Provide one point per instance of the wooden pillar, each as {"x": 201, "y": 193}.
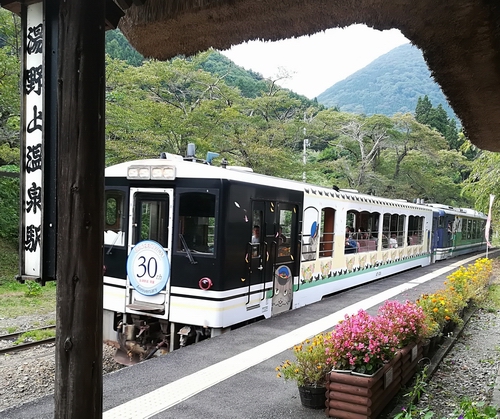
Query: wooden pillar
{"x": 80, "y": 192}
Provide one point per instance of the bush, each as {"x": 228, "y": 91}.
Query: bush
{"x": 9, "y": 206}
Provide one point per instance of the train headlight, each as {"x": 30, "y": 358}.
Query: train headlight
{"x": 139, "y": 172}
{"x": 205, "y": 283}
{"x": 163, "y": 172}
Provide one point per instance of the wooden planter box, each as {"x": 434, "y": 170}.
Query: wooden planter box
{"x": 410, "y": 356}
{"x": 354, "y": 397}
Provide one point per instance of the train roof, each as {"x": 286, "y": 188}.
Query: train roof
{"x": 446, "y": 209}
{"x": 192, "y": 168}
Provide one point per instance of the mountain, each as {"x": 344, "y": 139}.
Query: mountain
{"x": 390, "y": 84}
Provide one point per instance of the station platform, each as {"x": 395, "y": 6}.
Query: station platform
{"x": 233, "y": 375}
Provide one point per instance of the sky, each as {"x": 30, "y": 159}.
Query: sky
{"x": 314, "y": 63}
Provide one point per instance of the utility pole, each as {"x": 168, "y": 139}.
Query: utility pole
{"x": 304, "y": 154}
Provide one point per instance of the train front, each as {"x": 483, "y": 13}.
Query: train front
{"x": 156, "y": 223}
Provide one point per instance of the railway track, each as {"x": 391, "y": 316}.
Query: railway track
{"x": 12, "y": 337}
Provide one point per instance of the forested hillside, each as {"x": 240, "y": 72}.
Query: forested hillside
{"x": 206, "y": 99}
{"x": 390, "y": 84}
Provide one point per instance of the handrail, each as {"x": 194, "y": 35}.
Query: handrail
{"x": 275, "y": 254}
{"x": 263, "y": 264}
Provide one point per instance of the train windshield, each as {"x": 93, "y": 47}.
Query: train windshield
{"x": 197, "y": 222}
{"x": 114, "y": 218}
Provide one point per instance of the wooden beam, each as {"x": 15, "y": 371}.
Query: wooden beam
{"x": 113, "y": 14}
{"x": 13, "y": 5}
{"x": 124, "y": 4}
{"x": 80, "y": 214}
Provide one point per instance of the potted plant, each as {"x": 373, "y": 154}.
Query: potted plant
{"x": 308, "y": 370}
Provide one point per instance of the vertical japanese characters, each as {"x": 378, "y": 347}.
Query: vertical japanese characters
{"x": 32, "y": 135}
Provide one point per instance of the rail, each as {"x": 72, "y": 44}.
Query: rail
{"x": 27, "y": 345}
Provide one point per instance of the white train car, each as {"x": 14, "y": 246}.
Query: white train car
{"x": 181, "y": 262}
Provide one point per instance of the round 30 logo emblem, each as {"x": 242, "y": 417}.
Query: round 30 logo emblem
{"x": 148, "y": 267}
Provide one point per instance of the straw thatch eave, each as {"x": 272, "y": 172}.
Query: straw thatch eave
{"x": 460, "y": 40}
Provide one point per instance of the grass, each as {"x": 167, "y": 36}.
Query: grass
{"x": 494, "y": 297}
{"x": 18, "y": 299}
{"x": 35, "y": 335}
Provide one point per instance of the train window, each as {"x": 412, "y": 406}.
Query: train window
{"x": 364, "y": 226}
{"x": 257, "y": 231}
{"x": 400, "y": 234}
{"x": 326, "y": 231}
{"x": 114, "y": 234}
{"x": 310, "y": 233}
{"x": 469, "y": 229}
{"x": 351, "y": 220}
{"x": 284, "y": 233}
{"x": 393, "y": 230}
{"x": 153, "y": 220}
{"x": 415, "y": 229}
{"x": 197, "y": 222}
{"x": 386, "y": 231}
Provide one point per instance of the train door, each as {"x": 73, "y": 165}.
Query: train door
{"x": 259, "y": 251}
{"x": 284, "y": 256}
{"x": 274, "y": 252}
{"x": 150, "y": 219}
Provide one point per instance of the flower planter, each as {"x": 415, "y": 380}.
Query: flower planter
{"x": 449, "y": 327}
{"x": 313, "y": 397}
{"x": 354, "y": 397}
{"x": 410, "y": 356}
{"x": 426, "y": 345}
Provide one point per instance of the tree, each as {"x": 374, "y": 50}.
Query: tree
{"x": 9, "y": 205}
{"x": 483, "y": 181}
{"x": 118, "y": 47}
{"x": 423, "y": 110}
{"x": 9, "y": 87}
{"x": 437, "y": 118}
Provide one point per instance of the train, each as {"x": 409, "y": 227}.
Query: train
{"x": 192, "y": 250}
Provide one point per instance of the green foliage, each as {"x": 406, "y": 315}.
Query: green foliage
{"x": 249, "y": 83}
{"x": 13, "y": 299}
{"x": 437, "y": 118}
{"x": 475, "y": 410}
{"x": 9, "y": 87}
{"x": 8, "y": 261}
{"x": 35, "y": 336}
{"x": 117, "y": 47}
{"x": 14, "y": 303}
{"x": 33, "y": 289}
{"x": 413, "y": 396}
{"x": 9, "y": 205}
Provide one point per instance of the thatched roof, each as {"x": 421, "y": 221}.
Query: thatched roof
{"x": 460, "y": 39}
